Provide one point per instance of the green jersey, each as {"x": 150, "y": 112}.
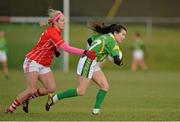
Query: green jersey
{"x": 138, "y": 45}
{"x": 95, "y": 36}
{"x": 3, "y": 44}
{"x": 105, "y": 45}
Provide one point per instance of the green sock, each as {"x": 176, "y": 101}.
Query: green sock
{"x": 66, "y": 94}
{"x": 99, "y": 98}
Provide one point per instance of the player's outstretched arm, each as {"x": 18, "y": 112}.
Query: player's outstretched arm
{"x": 89, "y": 53}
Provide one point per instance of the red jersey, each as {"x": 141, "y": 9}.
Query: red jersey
{"x": 49, "y": 41}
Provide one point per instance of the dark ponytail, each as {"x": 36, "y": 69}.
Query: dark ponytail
{"x": 101, "y": 28}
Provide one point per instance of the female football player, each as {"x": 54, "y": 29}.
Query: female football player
{"x": 3, "y": 54}
{"x": 37, "y": 62}
{"x": 138, "y": 49}
{"x": 105, "y": 44}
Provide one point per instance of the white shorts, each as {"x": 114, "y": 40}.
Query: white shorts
{"x": 33, "y": 66}
{"x": 86, "y": 67}
{"x": 138, "y": 54}
{"x": 3, "y": 56}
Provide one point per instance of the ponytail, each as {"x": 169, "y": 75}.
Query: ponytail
{"x": 102, "y": 29}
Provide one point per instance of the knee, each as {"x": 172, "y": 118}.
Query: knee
{"x": 32, "y": 91}
{"x": 51, "y": 89}
{"x": 104, "y": 86}
{"x": 81, "y": 92}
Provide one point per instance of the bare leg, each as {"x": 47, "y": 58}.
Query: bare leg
{"x": 100, "y": 79}
{"x": 83, "y": 85}
{"x": 49, "y": 86}
{"x": 143, "y": 65}
{"x": 31, "y": 79}
{"x": 5, "y": 68}
{"x": 48, "y": 82}
{"x": 134, "y": 65}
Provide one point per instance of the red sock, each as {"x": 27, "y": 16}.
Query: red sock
{"x": 37, "y": 94}
{"x": 14, "y": 105}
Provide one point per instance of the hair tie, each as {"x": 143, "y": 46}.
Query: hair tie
{"x": 57, "y": 17}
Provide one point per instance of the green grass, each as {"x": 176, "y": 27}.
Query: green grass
{"x": 153, "y": 95}
{"x": 132, "y": 96}
{"x": 162, "y": 51}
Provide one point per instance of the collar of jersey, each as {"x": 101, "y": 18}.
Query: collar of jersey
{"x": 112, "y": 35}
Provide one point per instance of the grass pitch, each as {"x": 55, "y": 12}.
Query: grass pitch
{"x": 152, "y": 95}
{"x": 132, "y": 96}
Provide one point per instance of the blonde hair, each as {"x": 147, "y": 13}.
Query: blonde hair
{"x": 52, "y": 13}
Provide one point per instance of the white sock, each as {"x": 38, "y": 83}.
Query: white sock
{"x": 55, "y": 98}
{"x": 96, "y": 111}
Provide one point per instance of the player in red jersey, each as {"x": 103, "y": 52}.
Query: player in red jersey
{"x": 37, "y": 62}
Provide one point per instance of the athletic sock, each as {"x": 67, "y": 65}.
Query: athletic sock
{"x": 66, "y": 94}
{"x": 55, "y": 98}
{"x": 37, "y": 94}
{"x": 14, "y": 105}
{"x": 99, "y": 98}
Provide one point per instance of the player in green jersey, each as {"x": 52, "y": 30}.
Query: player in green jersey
{"x": 3, "y": 54}
{"x": 138, "y": 49}
{"x": 105, "y": 44}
